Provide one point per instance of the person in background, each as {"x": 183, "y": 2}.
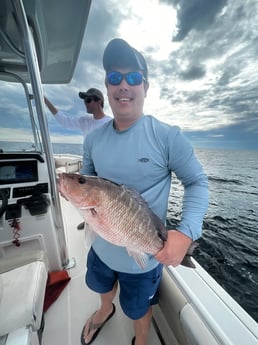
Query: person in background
{"x": 140, "y": 152}
{"x": 94, "y": 103}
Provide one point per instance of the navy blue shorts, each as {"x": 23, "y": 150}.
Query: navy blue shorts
{"x": 137, "y": 291}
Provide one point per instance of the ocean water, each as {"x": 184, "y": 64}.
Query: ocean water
{"x": 228, "y": 248}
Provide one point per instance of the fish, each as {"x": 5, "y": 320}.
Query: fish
{"x": 119, "y": 215}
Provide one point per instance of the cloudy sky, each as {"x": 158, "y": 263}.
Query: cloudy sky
{"x": 202, "y": 59}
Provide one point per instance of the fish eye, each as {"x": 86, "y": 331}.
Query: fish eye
{"x": 82, "y": 180}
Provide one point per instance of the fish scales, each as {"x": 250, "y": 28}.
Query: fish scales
{"x": 123, "y": 209}
{"x": 118, "y": 214}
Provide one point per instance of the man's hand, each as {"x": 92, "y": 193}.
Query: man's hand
{"x": 174, "y": 249}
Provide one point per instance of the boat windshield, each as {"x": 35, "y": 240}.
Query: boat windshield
{"x": 19, "y": 127}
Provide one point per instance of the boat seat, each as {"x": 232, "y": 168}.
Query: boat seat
{"x": 22, "y": 292}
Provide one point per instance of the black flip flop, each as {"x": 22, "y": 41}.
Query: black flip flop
{"x": 97, "y": 326}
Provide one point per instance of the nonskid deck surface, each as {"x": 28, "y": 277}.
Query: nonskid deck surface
{"x": 65, "y": 319}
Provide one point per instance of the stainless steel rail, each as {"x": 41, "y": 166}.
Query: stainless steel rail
{"x": 35, "y": 79}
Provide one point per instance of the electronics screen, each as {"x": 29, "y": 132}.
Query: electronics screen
{"x": 18, "y": 172}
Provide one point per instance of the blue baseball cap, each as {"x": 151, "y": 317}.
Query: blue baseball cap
{"x": 119, "y": 54}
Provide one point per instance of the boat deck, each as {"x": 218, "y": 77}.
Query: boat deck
{"x": 66, "y": 317}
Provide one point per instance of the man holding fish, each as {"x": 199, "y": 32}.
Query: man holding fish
{"x": 140, "y": 153}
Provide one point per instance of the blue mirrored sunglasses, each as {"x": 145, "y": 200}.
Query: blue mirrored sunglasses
{"x": 132, "y": 78}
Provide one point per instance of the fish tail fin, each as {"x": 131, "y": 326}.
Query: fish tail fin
{"x": 187, "y": 260}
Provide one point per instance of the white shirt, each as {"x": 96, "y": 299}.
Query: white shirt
{"x": 86, "y": 123}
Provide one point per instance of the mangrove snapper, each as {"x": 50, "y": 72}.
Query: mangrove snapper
{"x": 118, "y": 214}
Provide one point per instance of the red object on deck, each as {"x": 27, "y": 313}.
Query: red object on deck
{"x": 57, "y": 281}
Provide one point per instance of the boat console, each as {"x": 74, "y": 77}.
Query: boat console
{"x": 26, "y": 214}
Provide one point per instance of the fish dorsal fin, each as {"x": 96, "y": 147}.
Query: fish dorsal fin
{"x": 134, "y": 194}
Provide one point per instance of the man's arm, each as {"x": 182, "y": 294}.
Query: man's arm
{"x": 50, "y": 106}
{"x": 70, "y": 122}
{"x": 189, "y": 171}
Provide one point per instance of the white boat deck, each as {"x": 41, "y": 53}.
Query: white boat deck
{"x": 66, "y": 317}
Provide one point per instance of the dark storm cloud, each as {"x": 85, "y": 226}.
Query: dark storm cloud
{"x": 192, "y": 73}
{"x": 218, "y": 48}
{"x": 195, "y": 15}
{"x": 103, "y": 23}
{"x": 231, "y": 28}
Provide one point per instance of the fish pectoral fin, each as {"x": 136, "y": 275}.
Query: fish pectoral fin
{"x": 140, "y": 258}
{"x": 86, "y": 207}
{"x": 90, "y": 235}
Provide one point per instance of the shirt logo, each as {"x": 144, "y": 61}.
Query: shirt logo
{"x": 143, "y": 160}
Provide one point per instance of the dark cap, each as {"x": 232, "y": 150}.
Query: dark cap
{"x": 119, "y": 54}
{"x": 92, "y": 92}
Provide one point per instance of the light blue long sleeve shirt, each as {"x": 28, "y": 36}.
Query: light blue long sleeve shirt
{"x": 143, "y": 158}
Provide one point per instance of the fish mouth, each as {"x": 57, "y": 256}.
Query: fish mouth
{"x": 69, "y": 187}
{"x": 61, "y": 186}
{"x": 61, "y": 181}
